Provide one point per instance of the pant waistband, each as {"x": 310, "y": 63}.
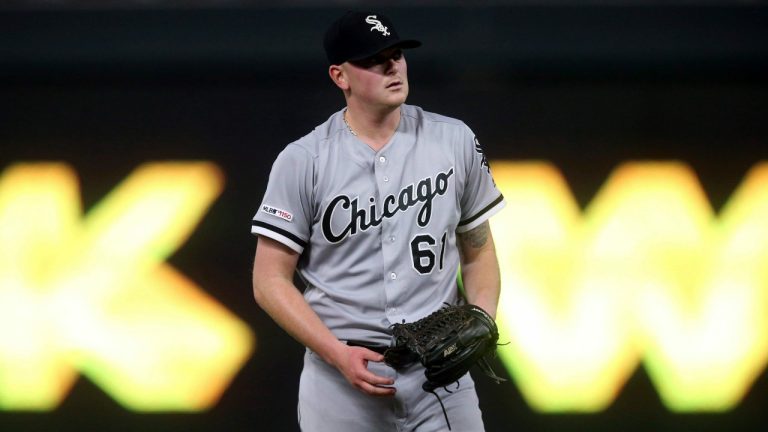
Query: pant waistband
{"x": 375, "y": 348}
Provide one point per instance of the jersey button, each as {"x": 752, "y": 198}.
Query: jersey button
{"x": 382, "y": 159}
{"x": 392, "y": 239}
{"x": 386, "y": 179}
{"x": 393, "y": 275}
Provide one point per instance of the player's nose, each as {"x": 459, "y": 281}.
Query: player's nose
{"x": 393, "y": 66}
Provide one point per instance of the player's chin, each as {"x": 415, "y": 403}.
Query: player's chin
{"x": 397, "y": 97}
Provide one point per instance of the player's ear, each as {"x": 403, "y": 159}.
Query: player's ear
{"x": 338, "y": 76}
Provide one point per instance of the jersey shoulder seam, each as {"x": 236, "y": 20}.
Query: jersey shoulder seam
{"x": 313, "y": 142}
{"x": 304, "y": 143}
{"x": 433, "y": 117}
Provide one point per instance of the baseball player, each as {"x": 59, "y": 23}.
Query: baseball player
{"x": 376, "y": 208}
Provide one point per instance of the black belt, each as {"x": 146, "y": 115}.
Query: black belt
{"x": 375, "y": 348}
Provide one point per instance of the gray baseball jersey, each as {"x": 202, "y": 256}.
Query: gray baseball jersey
{"x": 377, "y": 230}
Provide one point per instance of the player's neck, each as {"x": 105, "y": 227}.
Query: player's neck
{"x": 373, "y": 127}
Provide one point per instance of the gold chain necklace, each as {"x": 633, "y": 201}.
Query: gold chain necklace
{"x": 347, "y": 123}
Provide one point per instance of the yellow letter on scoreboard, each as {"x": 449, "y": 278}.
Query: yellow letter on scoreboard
{"x": 95, "y": 295}
{"x": 647, "y": 273}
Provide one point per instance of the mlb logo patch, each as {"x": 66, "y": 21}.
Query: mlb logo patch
{"x": 282, "y": 214}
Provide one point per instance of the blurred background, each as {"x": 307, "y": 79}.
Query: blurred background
{"x": 100, "y": 88}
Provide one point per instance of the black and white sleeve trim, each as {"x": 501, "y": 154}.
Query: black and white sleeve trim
{"x": 481, "y": 216}
{"x": 276, "y": 233}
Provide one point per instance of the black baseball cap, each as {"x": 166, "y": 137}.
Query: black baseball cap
{"x": 359, "y": 35}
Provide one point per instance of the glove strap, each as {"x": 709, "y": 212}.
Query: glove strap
{"x": 445, "y": 414}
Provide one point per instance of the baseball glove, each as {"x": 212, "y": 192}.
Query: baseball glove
{"x": 448, "y": 343}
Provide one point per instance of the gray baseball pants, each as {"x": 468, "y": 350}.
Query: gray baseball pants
{"x": 329, "y": 403}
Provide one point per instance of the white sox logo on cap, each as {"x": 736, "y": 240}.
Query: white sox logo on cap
{"x": 377, "y": 25}
{"x": 359, "y": 35}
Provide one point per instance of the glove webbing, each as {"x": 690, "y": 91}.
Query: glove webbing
{"x": 422, "y": 333}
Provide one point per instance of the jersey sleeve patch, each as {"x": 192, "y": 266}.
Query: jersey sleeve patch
{"x": 483, "y": 158}
{"x": 274, "y": 211}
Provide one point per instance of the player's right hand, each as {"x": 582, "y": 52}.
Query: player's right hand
{"x": 352, "y": 362}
